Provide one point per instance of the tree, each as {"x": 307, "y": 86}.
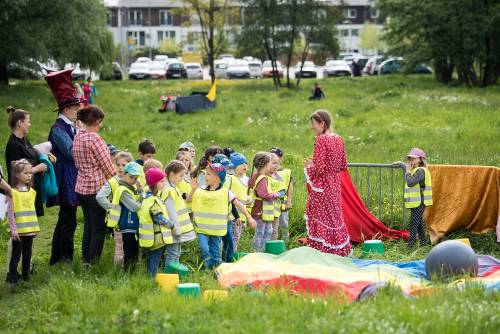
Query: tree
{"x": 64, "y": 31}
{"x": 213, "y": 15}
{"x": 370, "y": 38}
{"x": 170, "y": 48}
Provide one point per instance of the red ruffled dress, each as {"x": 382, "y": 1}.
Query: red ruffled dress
{"x": 326, "y": 230}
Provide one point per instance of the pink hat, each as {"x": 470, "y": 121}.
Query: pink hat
{"x": 153, "y": 176}
{"x": 416, "y": 153}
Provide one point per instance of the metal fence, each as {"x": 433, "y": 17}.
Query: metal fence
{"x": 381, "y": 186}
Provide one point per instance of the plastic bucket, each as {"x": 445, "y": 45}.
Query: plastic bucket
{"x": 275, "y": 247}
{"x": 210, "y": 295}
{"x": 189, "y": 289}
{"x": 167, "y": 282}
{"x": 373, "y": 246}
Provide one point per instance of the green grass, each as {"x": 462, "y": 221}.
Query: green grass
{"x": 379, "y": 119}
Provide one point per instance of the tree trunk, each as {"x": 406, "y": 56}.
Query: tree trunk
{"x": 291, "y": 42}
{"x": 4, "y": 75}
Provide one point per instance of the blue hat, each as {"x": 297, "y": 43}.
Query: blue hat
{"x": 220, "y": 170}
{"x": 133, "y": 168}
{"x": 223, "y": 160}
{"x": 238, "y": 159}
{"x": 113, "y": 149}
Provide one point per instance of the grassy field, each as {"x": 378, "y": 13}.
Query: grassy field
{"x": 380, "y": 118}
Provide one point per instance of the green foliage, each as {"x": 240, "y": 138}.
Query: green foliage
{"x": 170, "y": 48}
{"x": 370, "y": 38}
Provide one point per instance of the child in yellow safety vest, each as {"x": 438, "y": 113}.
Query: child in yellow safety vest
{"x": 177, "y": 211}
{"x": 199, "y": 173}
{"x": 184, "y": 185}
{"x": 210, "y": 205}
{"x": 418, "y": 194}
{"x": 23, "y": 222}
{"x": 156, "y": 231}
{"x": 265, "y": 196}
{"x": 105, "y": 197}
{"x": 285, "y": 177}
{"x": 239, "y": 186}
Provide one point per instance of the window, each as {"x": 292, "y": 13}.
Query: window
{"x": 166, "y": 34}
{"x": 374, "y": 13}
{"x": 165, "y": 18}
{"x": 137, "y": 38}
{"x": 344, "y": 32}
{"x": 135, "y": 17}
{"x": 355, "y": 32}
{"x": 109, "y": 15}
{"x": 351, "y": 13}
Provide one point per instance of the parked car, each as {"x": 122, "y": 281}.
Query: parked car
{"x": 307, "y": 71}
{"x": 111, "y": 71}
{"x": 176, "y": 71}
{"x": 220, "y": 68}
{"x": 157, "y": 70}
{"x": 255, "y": 66}
{"x": 31, "y": 71}
{"x": 78, "y": 74}
{"x": 162, "y": 59}
{"x": 422, "y": 69}
{"x": 337, "y": 68}
{"x": 238, "y": 69}
{"x": 371, "y": 64}
{"x": 139, "y": 71}
{"x": 267, "y": 69}
{"x": 194, "y": 71}
{"x": 391, "y": 65}
{"x": 143, "y": 60}
{"x": 227, "y": 57}
{"x": 360, "y": 60}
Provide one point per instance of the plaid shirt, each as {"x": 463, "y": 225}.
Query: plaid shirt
{"x": 93, "y": 162}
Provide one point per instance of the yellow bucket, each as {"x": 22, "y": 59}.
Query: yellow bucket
{"x": 167, "y": 282}
{"x": 210, "y": 295}
{"x": 465, "y": 241}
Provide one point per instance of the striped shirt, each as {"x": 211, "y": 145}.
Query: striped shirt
{"x": 93, "y": 162}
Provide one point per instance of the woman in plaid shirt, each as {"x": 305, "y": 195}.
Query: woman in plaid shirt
{"x": 94, "y": 165}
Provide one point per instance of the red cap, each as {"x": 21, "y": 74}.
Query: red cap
{"x": 61, "y": 85}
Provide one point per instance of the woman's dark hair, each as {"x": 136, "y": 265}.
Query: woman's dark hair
{"x": 146, "y": 146}
{"x": 16, "y": 167}
{"x": 90, "y": 115}
{"x": 322, "y": 116}
{"x": 174, "y": 166}
{"x": 209, "y": 152}
{"x": 260, "y": 159}
{"x": 15, "y": 115}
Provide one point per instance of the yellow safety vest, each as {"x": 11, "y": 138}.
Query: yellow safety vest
{"x": 269, "y": 208}
{"x": 116, "y": 209}
{"x": 114, "y": 184}
{"x": 413, "y": 195}
{"x": 286, "y": 175}
{"x": 152, "y": 235}
{"x": 211, "y": 210}
{"x": 240, "y": 190}
{"x": 185, "y": 188}
{"x": 24, "y": 211}
{"x": 180, "y": 208}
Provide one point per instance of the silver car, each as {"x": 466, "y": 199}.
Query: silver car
{"x": 194, "y": 71}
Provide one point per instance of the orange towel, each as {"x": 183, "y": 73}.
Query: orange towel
{"x": 464, "y": 197}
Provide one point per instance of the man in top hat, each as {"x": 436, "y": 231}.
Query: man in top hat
{"x": 61, "y": 136}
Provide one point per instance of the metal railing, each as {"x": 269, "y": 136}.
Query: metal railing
{"x": 374, "y": 180}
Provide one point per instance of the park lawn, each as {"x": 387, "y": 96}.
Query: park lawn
{"x": 380, "y": 119}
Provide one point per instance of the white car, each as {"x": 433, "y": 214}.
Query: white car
{"x": 194, "y": 71}
{"x": 255, "y": 66}
{"x": 143, "y": 60}
{"x": 157, "y": 70}
{"x": 220, "y": 68}
{"x": 162, "y": 59}
{"x": 267, "y": 69}
{"x": 227, "y": 57}
{"x": 238, "y": 69}
{"x": 337, "y": 68}
{"x": 308, "y": 70}
{"x": 139, "y": 71}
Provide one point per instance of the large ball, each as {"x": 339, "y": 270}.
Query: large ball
{"x": 451, "y": 258}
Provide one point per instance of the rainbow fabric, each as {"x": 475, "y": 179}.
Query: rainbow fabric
{"x": 306, "y": 270}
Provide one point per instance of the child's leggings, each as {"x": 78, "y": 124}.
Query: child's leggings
{"x": 417, "y": 226}
{"x": 282, "y": 224}
{"x": 22, "y": 248}
{"x": 263, "y": 233}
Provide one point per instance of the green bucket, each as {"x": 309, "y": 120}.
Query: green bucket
{"x": 189, "y": 289}
{"x": 275, "y": 247}
{"x": 239, "y": 255}
{"x": 176, "y": 268}
{"x": 373, "y": 246}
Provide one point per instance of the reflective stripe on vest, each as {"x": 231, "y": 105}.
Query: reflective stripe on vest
{"x": 270, "y": 209}
{"x": 24, "y": 211}
{"x": 210, "y": 210}
{"x": 286, "y": 175}
{"x": 413, "y": 195}
{"x": 116, "y": 209}
{"x": 240, "y": 190}
{"x": 180, "y": 208}
{"x": 148, "y": 229}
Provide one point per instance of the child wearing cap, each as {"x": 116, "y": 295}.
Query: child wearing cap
{"x": 177, "y": 211}
{"x": 239, "y": 186}
{"x": 418, "y": 193}
{"x": 285, "y": 176}
{"x": 123, "y": 213}
{"x": 105, "y": 197}
{"x": 156, "y": 231}
{"x": 264, "y": 207}
{"x": 210, "y": 209}
{"x": 188, "y": 147}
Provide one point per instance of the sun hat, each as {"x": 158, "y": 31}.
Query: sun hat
{"x": 186, "y": 144}
{"x": 219, "y": 170}
{"x": 416, "y": 153}
{"x": 278, "y": 151}
{"x": 223, "y": 160}
{"x": 153, "y": 176}
{"x": 113, "y": 149}
{"x": 238, "y": 159}
{"x": 133, "y": 168}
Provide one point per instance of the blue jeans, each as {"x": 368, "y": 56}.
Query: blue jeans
{"x": 172, "y": 253}
{"x": 154, "y": 259}
{"x": 210, "y": 248}
{"x": 228, "y": 244}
